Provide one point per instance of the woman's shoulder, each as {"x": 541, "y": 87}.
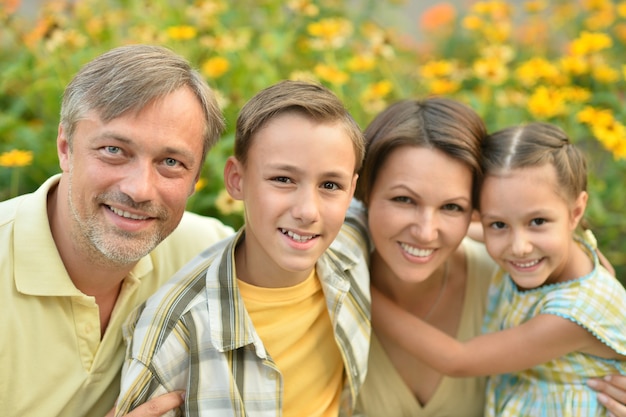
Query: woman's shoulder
{"x": 478, "y": 260}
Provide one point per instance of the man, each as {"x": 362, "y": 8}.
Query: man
{"x": 92, "y": 243}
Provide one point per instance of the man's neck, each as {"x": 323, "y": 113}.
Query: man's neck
{"x": 89, "y": 271}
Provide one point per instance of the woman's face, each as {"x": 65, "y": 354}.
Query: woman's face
{"x": 420, "y": 209}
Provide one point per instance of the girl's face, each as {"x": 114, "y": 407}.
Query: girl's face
{"x": 528, "y": 225}
{"x": 420, "y": 208}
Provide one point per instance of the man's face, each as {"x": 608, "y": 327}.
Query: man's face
{"x": 129, "y": 178}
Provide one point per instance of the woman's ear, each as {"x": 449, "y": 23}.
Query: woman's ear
{"x": 233, "y": 177}
{"x": 578, "y": 210}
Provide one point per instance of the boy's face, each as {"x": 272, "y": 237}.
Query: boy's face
{"x": 296, "y": 188}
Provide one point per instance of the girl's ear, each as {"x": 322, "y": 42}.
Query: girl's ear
{"x": 578, "y": 210}
{"x": 233, "y": 178}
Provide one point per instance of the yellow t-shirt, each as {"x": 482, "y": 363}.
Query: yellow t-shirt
{"x": 52, "y": 359}
{"x": 295, "y": 328}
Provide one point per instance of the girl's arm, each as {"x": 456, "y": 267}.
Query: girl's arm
{"x": 537, "y": 341}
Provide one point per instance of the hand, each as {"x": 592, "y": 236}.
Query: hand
{"x": 157, "y": 406}
{"x": 611, "y": 393}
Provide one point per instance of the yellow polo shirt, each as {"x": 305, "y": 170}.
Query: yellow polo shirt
{"x": 52, "y": 360}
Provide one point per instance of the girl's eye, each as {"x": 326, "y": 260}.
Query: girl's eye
{"x": 285, "y": 180}
{"x": 538, "y": 221}
{"x": 498, "y": 225}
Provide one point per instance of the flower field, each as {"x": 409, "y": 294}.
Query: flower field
{"x": 560, "y": 61}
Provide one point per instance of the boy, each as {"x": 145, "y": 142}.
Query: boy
{"x": 274, "y": 321}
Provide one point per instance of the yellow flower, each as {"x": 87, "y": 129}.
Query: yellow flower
{"x": 16, "y": 158}
{"x": 435, "y": 69}
{"x": 504, "y": 53}
{"x": 215, "y": 67}
{"x": 181, "y": 32}
{"x": 624, "y": 71}
{"x": 228, "y": 205}
{"x": 330, "y": 74}
{"x": 535, "y": 69}
{"x": 546, "y": 103}
{"x": 535, "y": 6}
{"x": 576, "y": 94}
{"x": 621, "y": 9}
{"x": 590, "y": 42}
{"x": 377, "y": 90}
{"x": 592, "y": 116}
{"x": 600, "y": 20}
{"x": 492, "y": 70}
{"x": 574, "y": 65}
{"x": 444, "y": 86}
{"x": 472, "y": 22}
{"x": 200, "y": 185}
{"x": 304, "y": 7}
{"x": 330, "y": 33}
{"x": 605, "y": 74}
{"x": 361, "y": 63}
{"x": 612, "y": 137}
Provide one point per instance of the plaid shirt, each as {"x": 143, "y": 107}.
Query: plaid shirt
{"x": 195, "y": 334}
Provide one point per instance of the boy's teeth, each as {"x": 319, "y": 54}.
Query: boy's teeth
{"x": 411, "y": 250}
{"x": 296, "y": 236}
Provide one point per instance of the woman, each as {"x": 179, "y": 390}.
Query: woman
{"x": 417, "y": 183}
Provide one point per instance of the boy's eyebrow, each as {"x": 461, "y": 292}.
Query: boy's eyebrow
{"x": 298, "y": 170}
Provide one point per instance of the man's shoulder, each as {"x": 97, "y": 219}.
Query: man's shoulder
{"x": 194, "y": 234}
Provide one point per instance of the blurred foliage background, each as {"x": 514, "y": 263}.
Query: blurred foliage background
{"x": 560, "y": 61}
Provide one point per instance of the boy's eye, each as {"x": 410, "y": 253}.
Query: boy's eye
{"x": 285, "y": 180}
{"x": 330, "y": 186}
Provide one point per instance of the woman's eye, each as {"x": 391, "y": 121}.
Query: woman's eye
{"x": 452, "y": 207}
{"x": 402, "y": 199}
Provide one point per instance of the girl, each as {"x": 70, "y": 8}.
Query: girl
{"x": 556, "y": 316}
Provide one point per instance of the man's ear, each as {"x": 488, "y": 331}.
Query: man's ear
{"x": 63, "y": 149}
{"x": 233, "y": 177}
{"x": 578, "y": 210}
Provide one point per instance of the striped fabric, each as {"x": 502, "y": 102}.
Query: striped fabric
{"x": 558, "y": 388}
{"x": 195, "y": 335}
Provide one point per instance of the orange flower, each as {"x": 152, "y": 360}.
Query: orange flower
{"x": 433, "y": 18}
